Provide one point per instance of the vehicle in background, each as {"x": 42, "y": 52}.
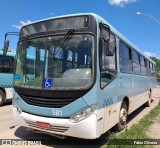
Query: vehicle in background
{"x": 6, "y": 76}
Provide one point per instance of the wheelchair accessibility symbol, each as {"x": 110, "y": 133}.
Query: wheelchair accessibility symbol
{"x": 48, "y": 83}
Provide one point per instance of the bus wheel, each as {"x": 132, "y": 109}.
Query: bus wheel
{"x": 122, "y": 118}
{"x": 2, "y": 97}
{"x": 148, "y": 103}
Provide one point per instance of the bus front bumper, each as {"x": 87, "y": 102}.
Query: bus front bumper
{"x": 85, "y": 129}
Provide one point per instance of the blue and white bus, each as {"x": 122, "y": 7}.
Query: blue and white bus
{"x": 90, "y": 79}
{"x": 6, "y": 76}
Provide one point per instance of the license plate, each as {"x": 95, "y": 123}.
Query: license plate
{"x": 43, "y": 124}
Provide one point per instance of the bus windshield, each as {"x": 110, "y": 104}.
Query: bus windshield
{"x": 52, "y": 63}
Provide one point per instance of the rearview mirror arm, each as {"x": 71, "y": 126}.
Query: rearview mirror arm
{"x": 10, "y": 33}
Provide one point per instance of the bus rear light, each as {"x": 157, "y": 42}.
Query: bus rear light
{"x": 83, "y": 114}
{"x": 15, "y": 106}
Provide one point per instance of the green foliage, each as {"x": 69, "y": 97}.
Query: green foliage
{"x": 158, "y": 75}
{"x": 157, "y": 61}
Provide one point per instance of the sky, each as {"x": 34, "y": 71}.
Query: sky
{"x": 141, "y": 30}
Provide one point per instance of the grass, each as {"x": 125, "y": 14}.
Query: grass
{"x": 137, "y": 131}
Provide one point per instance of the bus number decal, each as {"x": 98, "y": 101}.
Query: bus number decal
{"x": 56, "y": 112}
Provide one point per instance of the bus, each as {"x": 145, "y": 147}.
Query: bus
{"x": 6, "y": 76}
{"x": 90, "y": 79}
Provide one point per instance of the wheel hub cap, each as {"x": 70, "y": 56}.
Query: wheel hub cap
{"x": 0, "y": 97}
{"x": 123, "y": 115}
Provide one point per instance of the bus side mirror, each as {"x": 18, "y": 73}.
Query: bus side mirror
{"x": 101, "y": 45}
{"x": 5, "y": 48}
{"x": 109, "y": 40}
{"x": 111, "y": 48}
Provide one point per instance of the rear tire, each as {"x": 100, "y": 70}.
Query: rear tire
{"x": 122, "y": 118}
{"x": 2, "y": 97}
{"x": 148, "y": 103}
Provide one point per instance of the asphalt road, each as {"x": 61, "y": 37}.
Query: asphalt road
{"x": 8, "y": 130}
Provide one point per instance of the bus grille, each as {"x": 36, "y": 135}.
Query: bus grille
{"x": 61, "y": 129}
{"x": 47, "y": 102}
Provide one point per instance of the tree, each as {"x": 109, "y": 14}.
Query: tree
{"x": 157, "y": 61}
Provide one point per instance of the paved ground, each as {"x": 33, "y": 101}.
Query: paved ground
{"x": 8, "y": 130}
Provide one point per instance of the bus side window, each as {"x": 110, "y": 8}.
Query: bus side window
{"x": 107, "y": 63}
{"x": 143, "y": 66}
{"x": 136, "y": 63}
{"x": 125, "y": 53}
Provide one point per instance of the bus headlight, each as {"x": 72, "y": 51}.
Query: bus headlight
{"x": 15, "y": 106}
{"x": 81, "y": 115}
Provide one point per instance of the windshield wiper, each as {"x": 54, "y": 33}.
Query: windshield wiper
{"x": 65, "y": 40}
{"x": 67, "y": 37}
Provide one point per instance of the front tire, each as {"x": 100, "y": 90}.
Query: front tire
{"x": 2, "y": 97}
{"x": 122, "y": 117}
